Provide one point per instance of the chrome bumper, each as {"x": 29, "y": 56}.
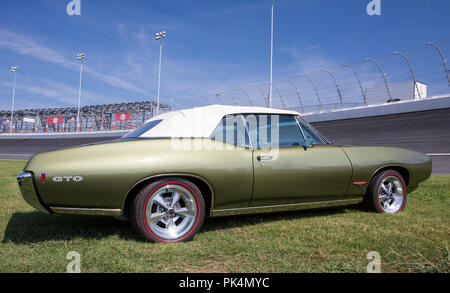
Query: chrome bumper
{"x": 25, "y": 181}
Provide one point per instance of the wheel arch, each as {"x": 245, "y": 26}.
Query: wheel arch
{"x": 202, "y": 184}
{"x": 403, "y": 170}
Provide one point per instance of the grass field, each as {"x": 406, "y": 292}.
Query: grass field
{"x": 334, "y": 240}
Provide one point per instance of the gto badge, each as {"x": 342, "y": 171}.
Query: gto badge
{"x": 67, "y": 178}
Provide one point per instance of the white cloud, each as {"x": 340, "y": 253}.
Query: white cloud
{"x": 55, "y": 93}
{"x": 19, "y": 44}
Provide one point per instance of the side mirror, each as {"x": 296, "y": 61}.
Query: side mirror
{"x": 308, "y": 143}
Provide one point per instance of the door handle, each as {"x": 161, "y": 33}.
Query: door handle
{"x": 264, "y": 158}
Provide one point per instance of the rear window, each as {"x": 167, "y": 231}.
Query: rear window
{"x": 143, "y": 129}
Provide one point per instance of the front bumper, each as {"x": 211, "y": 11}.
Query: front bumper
{"x": 25, "y": 181}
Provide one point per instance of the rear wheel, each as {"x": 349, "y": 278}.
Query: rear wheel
{"x": 387, "y": 193}
{"x": 169, "y": 210}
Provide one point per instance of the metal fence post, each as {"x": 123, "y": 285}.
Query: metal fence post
{"x": 384, "y": 76}
{"x": 444, "y": 61}
{"x": 262, "y": 93}
{"x": 359, "y": 82}
{"x": 296, "y": 90}
{"x": 336, "y": 83}
{"x": 315, "y": 89}
{"x": 248, "y": 96}
{"x": 412, "y": 72}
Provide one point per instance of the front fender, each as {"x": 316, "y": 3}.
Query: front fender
{"x": 368, "y": 160}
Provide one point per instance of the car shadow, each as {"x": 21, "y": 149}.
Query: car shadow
{"x": 35, "y": 227}
{"x": 228, "y": 222}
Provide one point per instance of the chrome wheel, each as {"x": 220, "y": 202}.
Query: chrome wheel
{"x": 170, "y": 212}
{"x": 391, "y": 194}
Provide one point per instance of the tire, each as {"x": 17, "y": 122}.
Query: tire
{"x": 386, "y": 193}
{"x": 158, "y": 219}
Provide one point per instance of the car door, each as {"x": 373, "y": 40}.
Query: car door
{"x": 287, "y": 172}
{"x": 231, "y": 170}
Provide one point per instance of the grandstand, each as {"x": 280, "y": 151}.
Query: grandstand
{"x": 92, "y": 118}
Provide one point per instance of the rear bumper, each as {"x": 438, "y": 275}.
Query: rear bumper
{"x": 26, "y": 186}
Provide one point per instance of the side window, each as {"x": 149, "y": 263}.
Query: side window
{"x": 272, "y": 131}
{"x": 310, "y": 133}
{"x": 231, "y": 130}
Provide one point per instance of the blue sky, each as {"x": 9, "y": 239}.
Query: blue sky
{"x": 211, "y": 46}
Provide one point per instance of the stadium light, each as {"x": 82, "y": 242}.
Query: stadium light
{"x": 159, "y": 37}
{"x": 80, "y": 57}
{"x": 14, "y": 70}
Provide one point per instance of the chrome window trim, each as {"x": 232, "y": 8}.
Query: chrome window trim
{"x": 247, "y": 132}
{"x": 300, "y": 127}
{"x": 318, "y": 133}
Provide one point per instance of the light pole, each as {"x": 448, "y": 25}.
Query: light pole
{"x": 14, "y": 70}
{"x": 159, "y": 37}
{"x": 271, "y": 58}
{"x": 384, "y": 77}
{"x": 412, "y": 73}
{"x": 80, "y": 57}
{"x": 444, "y": 61}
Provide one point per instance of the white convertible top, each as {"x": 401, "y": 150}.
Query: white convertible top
{"x": 200, "y": 121}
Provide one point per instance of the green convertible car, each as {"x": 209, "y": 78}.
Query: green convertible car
{"x": 183, "y": 166}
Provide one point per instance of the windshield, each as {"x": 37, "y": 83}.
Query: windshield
{"x": 143, "y": 129}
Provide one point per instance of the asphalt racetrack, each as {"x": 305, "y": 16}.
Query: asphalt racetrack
{"x": 427, "y": 131}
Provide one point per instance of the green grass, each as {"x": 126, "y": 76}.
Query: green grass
{"x": 334, "y": 240}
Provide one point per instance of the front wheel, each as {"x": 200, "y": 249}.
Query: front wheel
{"x": 169, "y": 210}
{"x": 387, "y": 193}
